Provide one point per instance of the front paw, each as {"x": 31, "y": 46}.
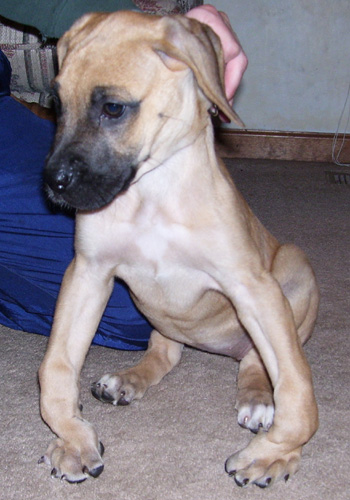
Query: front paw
{"x": 263, "y": 462}
{"x": 119, "y": 389}
{"x": 73, "y": 463}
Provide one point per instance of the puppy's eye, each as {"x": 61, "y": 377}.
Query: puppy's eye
{"x": 113, "y": 110}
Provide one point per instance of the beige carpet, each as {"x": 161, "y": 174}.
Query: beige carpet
{"x": 173, "y": 444}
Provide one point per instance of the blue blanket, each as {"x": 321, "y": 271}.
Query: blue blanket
{"x": 36, "y": 240}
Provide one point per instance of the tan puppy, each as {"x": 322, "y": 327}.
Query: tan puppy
{"x": 134, "y": 153}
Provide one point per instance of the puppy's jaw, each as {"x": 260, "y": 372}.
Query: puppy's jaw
{"x": 87, "y": 186}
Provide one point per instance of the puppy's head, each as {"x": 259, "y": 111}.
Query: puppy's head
{"x": 132, "y": 90}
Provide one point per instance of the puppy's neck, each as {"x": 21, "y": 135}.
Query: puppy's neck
{"x": 182, "y": 169}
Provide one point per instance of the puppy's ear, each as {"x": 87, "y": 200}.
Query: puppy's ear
{"x": 79, "y": 31}
{"x": 189, "y": 43}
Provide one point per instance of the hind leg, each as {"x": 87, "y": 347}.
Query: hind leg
{"x": 294, "y": 273}
{"x": 254, "y": 401}
{"x": 123, "y": 387}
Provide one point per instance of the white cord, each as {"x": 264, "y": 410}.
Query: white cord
{"x": 335, "y": 156}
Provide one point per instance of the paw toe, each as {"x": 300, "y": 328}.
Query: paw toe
{"x": 116, "y": 389}
{"x": 256, "y": 417}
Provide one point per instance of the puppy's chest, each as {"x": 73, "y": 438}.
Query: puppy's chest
{"x": 161, "y": 263}
{"x": 158, "y": 254}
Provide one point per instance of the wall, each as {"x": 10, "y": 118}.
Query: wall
{"x": 299, "y": 62}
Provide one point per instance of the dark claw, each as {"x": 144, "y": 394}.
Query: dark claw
{"x": 74, "y": 482}
{"x": 101, "y": 449}
{"x": 54, "y": 472}
{"x": 242, "y": 483}
{"x": 104, "y": 396}
{"x": 122, "y": 401}
{"x": 266, "y": 484}
{"x": 94, "y": 472}
{"x": 41, "y": 460}
{"x": 286, "y": 477}
{"x": 257, "y": 429}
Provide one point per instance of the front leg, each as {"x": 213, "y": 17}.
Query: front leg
{"x": 82, "y": 299}
{"x": 267, "y": 316}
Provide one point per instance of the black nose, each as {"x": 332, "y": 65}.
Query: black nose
{"x": 59, "y": 171}
{"x": 59, "y": 180}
